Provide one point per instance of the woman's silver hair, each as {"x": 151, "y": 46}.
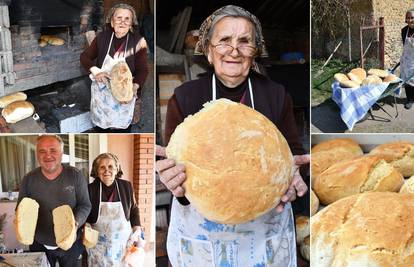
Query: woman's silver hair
{"x": 410, "y": 10}
{"x": 235, "y": 12}
{"x": 97, "y": 162}
{"x": 122, "y": 6}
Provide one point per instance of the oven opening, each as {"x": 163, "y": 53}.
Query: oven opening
{"x": 56, "y": 35}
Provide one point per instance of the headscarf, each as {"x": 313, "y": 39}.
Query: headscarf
{"x": 229, "y": 11}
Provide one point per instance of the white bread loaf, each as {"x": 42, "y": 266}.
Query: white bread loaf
{"x": 363, "y": 174}
{"x": 390, "y": 78}
{"x": 8, "y": 99}
{"x": 314, "y": 203}
{"x": 408, "y": 186}
{"x": 349, "y": 84}
{"x": 364, "y": 230}
{"x": 372, "y": 79}
{"x": 340, "y": 77}
{"x": 17, "y": 111}
{"x": 305, "y": 248}
{"x": 26, "y": 220}
{"x": 399, "y": 154}
{"x": 329, "y": 152}
{"x": 64, "y": 226}
{"x": 238, "y": 164}
{"x": 121, "y": 82}
{"x": 378, "y": 72}
{"x": 302, "y": 228}
{"x": 90, "y": 237}
{"x": 357, "y": 75}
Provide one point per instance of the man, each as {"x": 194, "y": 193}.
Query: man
{"x": 52, "y": 185}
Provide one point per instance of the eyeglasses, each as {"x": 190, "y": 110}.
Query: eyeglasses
{"x": 244, "y": 49}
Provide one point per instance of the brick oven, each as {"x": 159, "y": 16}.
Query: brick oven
{"x": 24, "y": 63}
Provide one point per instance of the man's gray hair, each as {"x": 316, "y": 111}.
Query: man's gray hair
{"x": 56, "y": 137}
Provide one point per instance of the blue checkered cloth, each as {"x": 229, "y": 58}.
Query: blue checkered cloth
{"x": 355, "y": 102}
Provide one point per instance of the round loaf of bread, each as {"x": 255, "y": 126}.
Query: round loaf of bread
{"x": 340, "y": 77}
{"x": 305, "y": 248}
{"x": 349, "y": 84}
{"x": 314, "y": 202}
{"x": 390, "y": 78}
{"x": 399, "y": 154}
{"x": 55, "y": 41}
{"x": 357, "y": 75}
{"x": 64, "y": 226}
{"x": 408, "y": 186}
{"x": 17, "y": 111}
{"x": 90, "y": 237}
{"x": 378, "y": 72}
{"x": 121, "y": 82}
{"x": 372, "y": 79}
{"x": 327, "y": 153}
{"x": 8, "y": 99}
{"x": 26, "y": 220}
{"x": 350, "y": 177}
{"x": 238, "y": 164}
{"x": 302, "y": 228}
{"x": 364, "y": 230}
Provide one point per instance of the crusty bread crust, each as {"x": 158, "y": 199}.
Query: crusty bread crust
{"x": 64, "y": 226}
{"x": 121, "y": 82}
{"x": 26, "y": 220}
{"x": 238, "y": 164}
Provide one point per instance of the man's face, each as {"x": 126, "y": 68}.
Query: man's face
{"x": 49, "y": 154}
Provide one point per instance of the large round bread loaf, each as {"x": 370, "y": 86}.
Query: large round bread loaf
{"x": 121, "y": 82}
{"x": 18, "y": 96}
{"x": 329, "y": 152}
{"x": 26, "y": 220}
{"x": 64, "y": 226}
{"x": 365, "y": 230}
{"x": 17, "y": 111}
{"x": 238, "y": 164}
{"x": 398, "y": 154}
{"x": 302, "y": 228}
{"x": 364, "y": 174}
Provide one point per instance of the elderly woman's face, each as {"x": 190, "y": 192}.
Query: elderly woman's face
{"x": 121, "y": 22}
{"x": 107, "y": 171}
{"x": 232, "y": 65}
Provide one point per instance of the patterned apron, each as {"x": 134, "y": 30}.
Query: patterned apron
{"x": 407, "y": 60}
{"x": 106, "y": 111}
{"x": 264, "y": 242}
{"x": 114, "y": 232}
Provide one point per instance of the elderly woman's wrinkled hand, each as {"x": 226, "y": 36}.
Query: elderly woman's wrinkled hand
{"x": 102, "y": 77}
{"x": 297, "y": 187}
{"x": 172, "y": 175}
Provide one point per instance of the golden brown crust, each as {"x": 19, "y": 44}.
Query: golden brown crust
{"x": 238, "y": 165}
{"x": 363, "y": 174}
{"x": 357, "y": 75}
{"x": 390, "y": 78}
{"x": 8, "y": 99}
{"x": 121, "y": 82}
{"x": 329, "y": 152}
{"x": 64, "y": 226}
{"x": 349, "y": 84}
{"x": 369, "y": 229}
{"x": 372, "y": 79}
{"x": 378, "y": 72}
{"x": 400, "y": 154}
{"x": 314, "y": 203}
{"x": 340, "y": 77}
{"x": 26, "y": 220}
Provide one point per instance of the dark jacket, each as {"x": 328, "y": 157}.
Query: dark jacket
{"x": 404, "y": 33}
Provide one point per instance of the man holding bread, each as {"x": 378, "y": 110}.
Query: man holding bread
{"x": 54, "y": 185}
{"x": 231, "y": 38}
{"x": 407, "y": 58}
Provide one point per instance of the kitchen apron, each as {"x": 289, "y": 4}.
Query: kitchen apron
{"x": 114, "y": 232}
{"x": 266, "y": 241}
{"x": 407, "y": 60}
{"x": 106, "y": 111}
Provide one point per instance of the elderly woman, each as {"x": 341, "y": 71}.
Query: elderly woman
{"x": 407, "y": 58}
{"x": 114, "y": 212}
{"x": 120, "y": 42}
{"x": 231, "y": 38}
